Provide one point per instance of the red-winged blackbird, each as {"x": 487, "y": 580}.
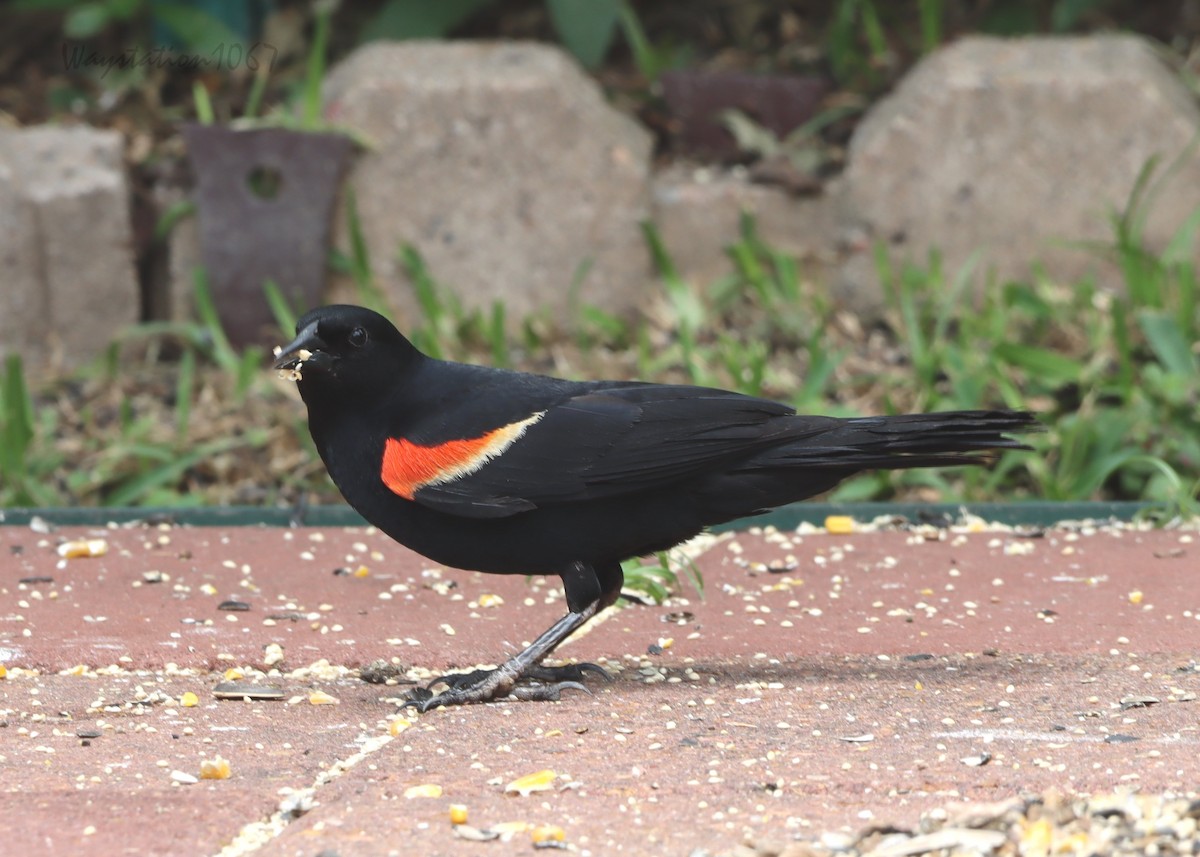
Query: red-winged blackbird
{"x": 512, "y": 473}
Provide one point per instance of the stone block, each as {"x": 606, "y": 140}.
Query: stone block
{"x": 698, "y": 212}
{"x": 72, "y": 286}
{"x": 1022, "y": 150}
{"x": 503, "y": 165}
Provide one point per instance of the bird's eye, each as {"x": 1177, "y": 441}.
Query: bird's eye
{"x": 357, "y": 337}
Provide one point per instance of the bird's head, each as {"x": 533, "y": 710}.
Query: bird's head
{"x": 344, "y": 351}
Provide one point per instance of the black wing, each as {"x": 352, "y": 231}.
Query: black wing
{"x": 616, "y": 440}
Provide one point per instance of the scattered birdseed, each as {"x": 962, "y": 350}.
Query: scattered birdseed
{"x": 83, "y": 548}
{"x": 474, "y": 834}
{"x": 215, "y": 769}
{"x": 840, "y": 525}
{"x": 246, "y": 690}
{"x": 458, "y": 813}
{"x": 188, "y": 699}
{"x": 320, "y": 697}
{"x": 234, "y": 606}
{"x": 548, "y": 836}
{"x": 536, "y": 782}
{"x": 425, "y": 790}
{"x": 272, "y": 654}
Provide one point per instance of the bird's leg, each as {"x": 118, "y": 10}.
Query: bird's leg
{"x": 545, "y": 683}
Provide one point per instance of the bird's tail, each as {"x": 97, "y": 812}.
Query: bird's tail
{"x": 908, "y": 440}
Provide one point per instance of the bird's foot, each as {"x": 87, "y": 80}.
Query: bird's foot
{"x": 534, "y": 682}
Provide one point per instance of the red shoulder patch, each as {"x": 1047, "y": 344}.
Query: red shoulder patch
{"x": 407, "y": 467}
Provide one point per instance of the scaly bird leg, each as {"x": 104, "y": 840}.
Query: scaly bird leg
{"x": 505, "y": 680}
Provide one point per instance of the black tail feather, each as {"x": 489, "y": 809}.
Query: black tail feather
{"x": 907, "y": 440}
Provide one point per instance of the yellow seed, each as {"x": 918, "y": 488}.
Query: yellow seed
{"x": 919, "y": 686}
{"x": 320, "y": 697}
{"x": 189, "y": 699}
{"x": 427, "y": 790}
{"x": 548, "y": 833}
{"x": 362, "y": 571}
{"x": 1135, "y": 597}
{"x": 233, "y": 674}
{"x": 3, "y": 671}
{"x": 839, "y": 524}
{"x": 83, "y": 547}
{"x": 1036, "y": 837}
{"x": 398, "y": 725}
{"x": 458, "y": 813}
{"x": 489, "y": 600}
{"x": 537, "y": 782}
{"x": 214, "y": 769}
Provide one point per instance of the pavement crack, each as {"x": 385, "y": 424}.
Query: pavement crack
{"x": 298, "y": 802}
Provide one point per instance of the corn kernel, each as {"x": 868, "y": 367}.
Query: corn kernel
{"x": 426, "y": 790}
{"x": 215, "y": 769}
{"x": 82, "y": 548}
{"x": 548, "y": 833}
{"x": 839, "y": 524}
{"x": 537, "y": 782}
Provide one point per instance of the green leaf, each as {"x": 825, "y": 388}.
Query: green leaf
{"x": 205, "y": 36}
{"x": 43, "y": 5}
{"x": 177, "y": 211}
{"x": 1167, "y": 342}
{"x": 285, "y": 316}
{"x": 315, "y": 68}
{"x": 419, "y": 19}
{"x": 204, "y": 108}
{"x": 1046, "y": 365}
{"x": 931, "y": 13}
{"x": 134, "y": 490}
{"x": 184, "y": 386}
{"x": 16, "y": 420}
{"x": 85, "y": 20}
{"x": 1181, "y": 248}
{"x": 222, "y": 350}
{"x": 1067, "y": 14}
{"x": 586, "y": 27}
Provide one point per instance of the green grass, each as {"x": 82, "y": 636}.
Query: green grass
{"x": 1115, "y": 376}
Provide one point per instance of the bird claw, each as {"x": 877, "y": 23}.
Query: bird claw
{"x": 535, "y": 683}
{"x": 545, "y": 692}
{"x": 459, "y": 680}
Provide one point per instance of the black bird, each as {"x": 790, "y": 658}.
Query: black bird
{"x": 513, "y": 473}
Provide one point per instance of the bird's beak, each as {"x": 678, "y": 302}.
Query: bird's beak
{"x": 306, "y": 349}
